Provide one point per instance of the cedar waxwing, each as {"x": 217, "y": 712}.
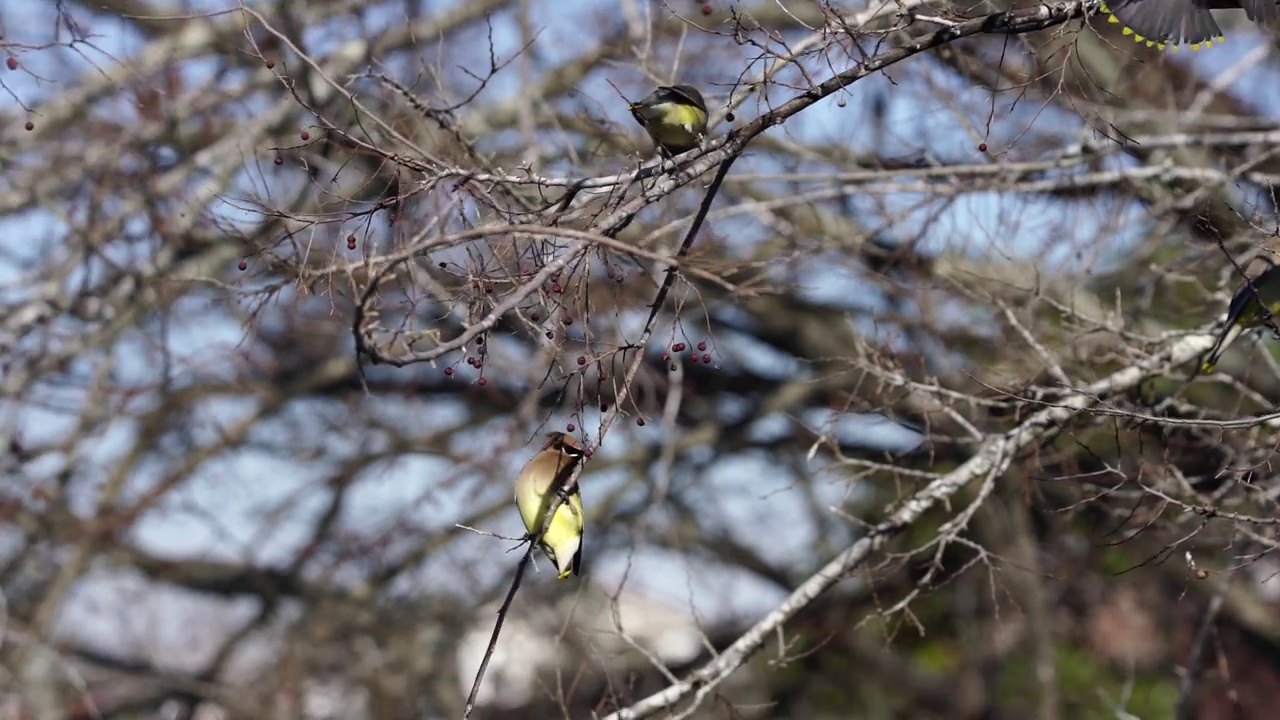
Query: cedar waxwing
{"x": 1246, "y": 312}
{"x": 1182, "y": 22}
{"x": 536, "y": 490}
{"x": 674, "y": 116}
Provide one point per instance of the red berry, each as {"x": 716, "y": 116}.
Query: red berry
{"x": 243, "y": 265}
{"x": 480, "y": 340}
{"x": 12, "y": 62}
{"x": 706, "y": 9}
{"x": 640, "y": 422}
{"x": 729, "y": 117}
{"x": 30, "y": 126}
{"x": 982, "y": 147}
{"x": 351, "y": 242}
{"x": 582, "y": 359}
{"x": 271, "y": 64}
{"x": 702, "y": 347}
{"x": 279, "y": 160}
{"x": 706, "y": 358}
{"x": 678, "y": 347}
{"x": 448, "y": 371}
{"x": 570, "y": 427}
{"x": 305, "y": 135}
{"x": 534, "y": 316}
{"x": 555, "y": 288}
{"x": 665, "y": 355}
{"x": 481, "y": 382}
{"x": 588, "y": 452}
{"x": 567, "y": 320}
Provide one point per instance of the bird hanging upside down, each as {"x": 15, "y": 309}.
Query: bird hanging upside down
{"x": 1256, "y": 304}
{"x": 536, "y": 489}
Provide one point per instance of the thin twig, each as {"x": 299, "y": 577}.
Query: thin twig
{"x": 1191, "y": 675}
{"x": 497, "y": 629}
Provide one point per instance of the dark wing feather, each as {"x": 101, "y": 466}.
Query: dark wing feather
{"x": 1261, "y": 10}
{"x": 687, "y": 95}
{"x": 577, "y": 557}
{"x": 1181, "y": 22}
{"x": 1262, "y": 290}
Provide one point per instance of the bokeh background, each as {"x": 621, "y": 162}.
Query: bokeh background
{"x": 289, "y": 291}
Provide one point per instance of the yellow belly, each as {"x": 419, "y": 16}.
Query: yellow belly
{"x": 563, "y": 535}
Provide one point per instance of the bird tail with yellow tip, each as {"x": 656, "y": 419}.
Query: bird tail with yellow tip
{"x": 1173, "y": 23}
{"x": 1166, "y": 24}
{"x": 1225, "y": 339}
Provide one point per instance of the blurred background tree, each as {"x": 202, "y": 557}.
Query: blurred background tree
{"x": 290, "y": 291}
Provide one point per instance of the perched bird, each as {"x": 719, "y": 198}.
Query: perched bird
{"x": 536, "y": 490}
{"x": 1246, "y": 312}
{"x": 1182, "y": 22}
{"x": 674, "y": 116}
